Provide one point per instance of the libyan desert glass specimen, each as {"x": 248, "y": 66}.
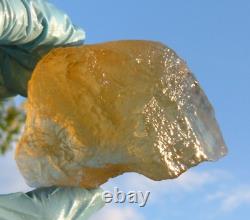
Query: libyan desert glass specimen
{"x": 97, "y": 111}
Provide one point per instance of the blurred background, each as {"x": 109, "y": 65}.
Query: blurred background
{"x": 214, "y": 39}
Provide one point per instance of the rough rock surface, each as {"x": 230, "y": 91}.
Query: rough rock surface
{"x": 97, "y": 111}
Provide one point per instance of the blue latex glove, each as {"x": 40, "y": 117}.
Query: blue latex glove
{"x": 28, "y": 30}
{"x": 51, "y": 204}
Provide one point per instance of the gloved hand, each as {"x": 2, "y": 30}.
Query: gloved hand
{"x": 51, "y": 204}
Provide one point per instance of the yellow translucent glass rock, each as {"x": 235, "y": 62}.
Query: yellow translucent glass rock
{"x": 97, "y": 111}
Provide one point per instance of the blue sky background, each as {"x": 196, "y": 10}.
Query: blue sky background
{"x": 214, "y": 38}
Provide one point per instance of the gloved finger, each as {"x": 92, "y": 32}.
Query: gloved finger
{"x": 36, "y": 22}
{"x": 54, "y": 203}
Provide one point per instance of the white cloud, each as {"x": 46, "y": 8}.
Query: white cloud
{"x": 190, "y": 181}
{"x": 193, "y": 180}
{"x": 112, "y": 213}
{"x": 232, "y": 199}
